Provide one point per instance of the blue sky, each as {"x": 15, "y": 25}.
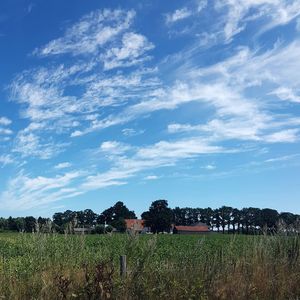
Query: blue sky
{"x": 196, "y": 102}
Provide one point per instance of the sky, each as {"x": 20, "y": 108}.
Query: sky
{"x": 196, "y": 102}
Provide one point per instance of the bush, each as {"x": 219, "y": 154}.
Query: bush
{"x": 100, "y": 229}
{"x": 109, "y": 229}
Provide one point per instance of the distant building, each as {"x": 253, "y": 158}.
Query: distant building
{"x": 197, "y": 228}
{"x": 136, "y": 226}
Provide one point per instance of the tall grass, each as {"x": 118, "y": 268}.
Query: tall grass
{"x": 34, "y": 266}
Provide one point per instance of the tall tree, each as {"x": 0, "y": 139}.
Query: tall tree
{"x": 89, "y": 217}
{"x": 245, "y": 216}
{"x": 58, "y": 219}
{"x": 207, "y": 216}
{"x": 179, "y": 215}
{"x": 30, "y": 224}
{"x": 116, "y": 215}
{"x": 159, "y": 217}
{"x": 269, "y": 218}
{"x": 254, "y": 216}
{"x": 288, "y": 218}
{"x": 119, "y": 210}
{"x": 225, "y": 217}
{"x": 217, "y": 219}
{"x": 236, "y": 220}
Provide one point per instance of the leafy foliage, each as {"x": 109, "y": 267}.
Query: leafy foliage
{"x": 159, "y": 217}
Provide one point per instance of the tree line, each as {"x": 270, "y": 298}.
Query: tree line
{"x": 66, "y": 222}
{"x": 160, "y": 218}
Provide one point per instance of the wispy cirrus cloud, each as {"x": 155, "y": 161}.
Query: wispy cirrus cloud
{"x": 6, "y": 159}
{"x": 33, "y": 145}
{"x": 232, "y": 17}
{"x": 238, "y": 14}
{"x": 286, "y": 94}
{"x": 91, "y": 33}
{"x": 63, "y": 165}
{"x": 105, "y": 41}
{"x": 131, "y": 52}
{"x": 5, "y": 131}
{"x": 24, "y": 192}
{"x": 177, "y": 15}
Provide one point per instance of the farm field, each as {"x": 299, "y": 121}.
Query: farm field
{"x": 36, "y": 266}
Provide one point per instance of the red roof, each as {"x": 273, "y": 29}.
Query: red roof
{"x": 135, "y": 224}
{"x": 192, "y": 228}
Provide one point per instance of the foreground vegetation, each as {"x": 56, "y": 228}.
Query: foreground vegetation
{"x": 40, "y": 266}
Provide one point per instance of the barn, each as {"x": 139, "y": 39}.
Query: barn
{"x": 197, "y": 228}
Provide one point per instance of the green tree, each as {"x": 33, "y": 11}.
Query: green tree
{"x": 29, "y": 224}
{"x": 225, "y": 217}
{"x": 288, "y": 218}
{"x": 3, "y": 224}
{"x": 179, "y": 216}
{"x": 245, "y": 216}
{"x": 116, "y": 215}
{"x": 207, "y": 216}
{"x": 236, "y": 220}
{"x": 269, "y": 218}
{"x": 217, "y": 219}
{"x": 159, "y": 217}
{"x": 89, "y": 217}
{"x": 58, "y": 219}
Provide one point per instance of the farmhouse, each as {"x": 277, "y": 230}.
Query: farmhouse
{"x": 136, "y": 226}
{"x": 197, "y": 228}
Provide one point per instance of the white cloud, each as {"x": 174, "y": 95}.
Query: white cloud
{"x": 63, "y": 165}
{"x": 177, "y": 15}
{"x": 282, "y": 158}
{"x": 283, "y": 136}
{"x": 201, "y": 4}
{"x": 30, "y": 145}
{"x": 130, "y": 53}
{"x": 5, "y": 131}
{"x": 24, "y": 192}
{"x": 161, "y": 154}
{"x": 131, "y": 132}
{"x": 225, "y": 100}
{"x": 110, "y": 178}
{"x": 114, "y": 147}
{"x": 5, "y": 121}
{"x": 178, "y": 149}
{"x": 151, "y": 177}
{"x": 210, "y": 167}
{"x": 44, "y": 92}
{"x": 219, "y": 130}
{"x": 239, "y": 13}
{"x": 90, "y": 34}
{"x": 6, "y": 159}
{"x": 226, "y": 83}
{"x": 287, "y": 94}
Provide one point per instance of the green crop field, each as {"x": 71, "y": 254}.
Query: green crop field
{"x": 36, "y": 266}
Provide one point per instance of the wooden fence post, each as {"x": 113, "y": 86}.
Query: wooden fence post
{"x": 123, "y": 266}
